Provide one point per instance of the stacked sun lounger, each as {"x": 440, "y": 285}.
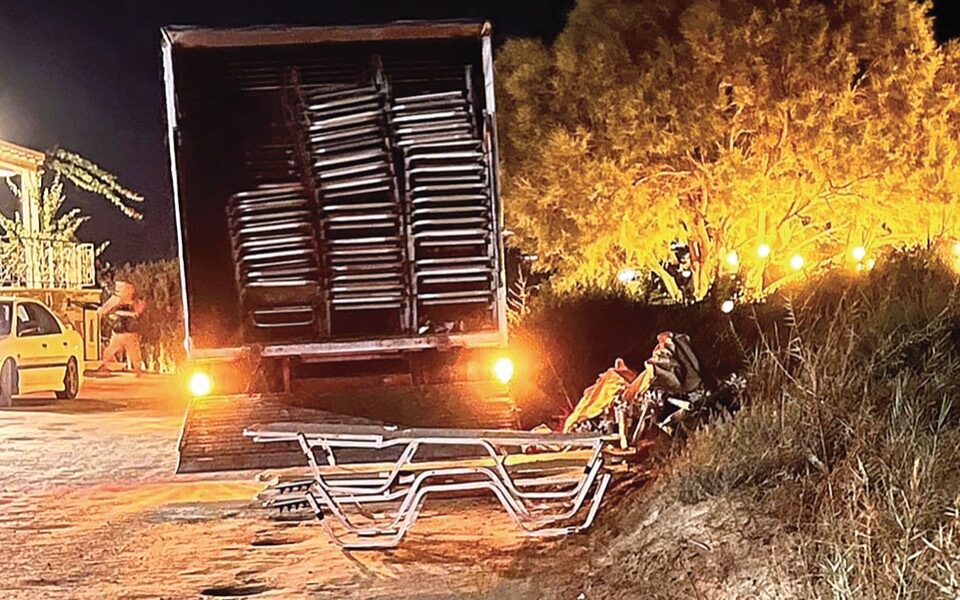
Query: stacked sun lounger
{"x": 360, "y": 210}
{"x": 396, "y": 173}
{"x": 449, "y": 203}
{"x": 548, "y": 484}
{"x": 275, "y": 253}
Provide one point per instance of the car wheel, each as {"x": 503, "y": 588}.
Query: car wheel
{"x": 9, "y": 383}
{"x": 71, "y": 381}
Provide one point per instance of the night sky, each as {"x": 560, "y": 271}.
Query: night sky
{"x": 86, "y": 76}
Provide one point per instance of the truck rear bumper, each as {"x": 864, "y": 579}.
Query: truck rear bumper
{"x": 357, "y": 348}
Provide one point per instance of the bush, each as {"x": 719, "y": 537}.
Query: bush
{"x": 158, "y": 283}
{"x": 851, "y": 432}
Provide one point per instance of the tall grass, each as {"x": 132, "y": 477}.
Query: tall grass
{"x": 850, "y": 433}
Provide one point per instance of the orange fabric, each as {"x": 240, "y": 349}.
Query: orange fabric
{"x": 596, "y": 398}
{"x": 672, "y": 367}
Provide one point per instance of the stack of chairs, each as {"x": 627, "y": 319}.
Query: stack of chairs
{"x": 275, "y": 253}
{"x": 373, "y": 481}
{"x": 390, "y": 179}
{"x": 448, "y": 198}
{"x": 359, "y": 205}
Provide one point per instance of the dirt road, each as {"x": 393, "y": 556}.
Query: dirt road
{"x": 90, "y": 508}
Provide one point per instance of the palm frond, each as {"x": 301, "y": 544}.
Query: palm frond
{"x": 94, "y": 179}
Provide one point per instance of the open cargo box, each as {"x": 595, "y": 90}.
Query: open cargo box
{"x": 338, "y": 215}
{"x": 336, "y": 183}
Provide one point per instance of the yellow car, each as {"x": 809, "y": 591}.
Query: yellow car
{"x": 38, "y": 353}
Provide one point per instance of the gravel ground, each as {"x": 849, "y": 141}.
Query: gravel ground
{"x": 90, "y": 508}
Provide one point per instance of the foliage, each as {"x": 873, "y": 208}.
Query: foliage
{"x": 51, "y": 253}
{"x": 92, "y": 178}
{"x": 851, "y": 433}
{"x": 158, "y": 283}
{"x": 813, "y": 127}
{"x": 53, "y": 225}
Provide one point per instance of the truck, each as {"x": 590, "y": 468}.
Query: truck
{"x": 340, "y": 231}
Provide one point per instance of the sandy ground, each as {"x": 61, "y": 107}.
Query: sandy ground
{"x": 90, "y": 508}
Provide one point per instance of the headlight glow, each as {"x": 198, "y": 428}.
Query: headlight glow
{"x": 200, "y": 384}
{"x": 503, "y": 370}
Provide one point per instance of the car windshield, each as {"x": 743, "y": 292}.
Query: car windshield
{"x": 6, "y": 318}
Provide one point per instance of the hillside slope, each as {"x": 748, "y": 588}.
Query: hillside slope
{"x": 838, "y": 478}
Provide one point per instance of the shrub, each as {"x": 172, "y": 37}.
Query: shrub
{"x": 158, "y": 282}
{"x": 851, "y": 431}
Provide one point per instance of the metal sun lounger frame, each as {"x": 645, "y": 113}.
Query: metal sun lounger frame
{"x": 551, "y": 498}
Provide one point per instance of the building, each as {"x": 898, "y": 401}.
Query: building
{"x": 61, "y": 274}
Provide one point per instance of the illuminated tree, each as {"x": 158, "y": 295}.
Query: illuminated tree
{"x": 825, "y": 132}
{"x": 52, "y": 252}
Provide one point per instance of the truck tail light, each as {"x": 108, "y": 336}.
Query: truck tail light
{"x": 200, "y": 384}
{"x": 503, "y": 369}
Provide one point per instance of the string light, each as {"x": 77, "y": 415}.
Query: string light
{"x": 764, "y": 250}
{"x": 627, "y": 275}
{"x": 733, "y": 259}
{"x": 796, "y": 262}
{"x": 871, "y": 263}
{"x": 727, "y": 306}
{"x": 859, "y": 253}
{"x": 956, "y": 248}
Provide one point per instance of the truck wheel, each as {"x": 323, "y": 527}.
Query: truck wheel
{"x": 9, "y": 383}
{"x": 71, "y": 381}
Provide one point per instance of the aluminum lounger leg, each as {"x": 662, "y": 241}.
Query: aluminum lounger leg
{"x": 411, "y": 496}
{"x": 411, "y": 449}
{"x": 397, "y": 536}
{"x": 578, "y": 500}
{"x": 591, "y": 514}
{"x": 596, "y": 459}
{"x": 491, "y": 450}
{"x": 405, "y": 457}
{"x": 335, "y": 503}
{"x": 334, "y": 507}
{"x": 411, "y": 516}
{"x": 307, "y": 446}
{"x": 318, "y": 510}
{"x": 578, "y": 492}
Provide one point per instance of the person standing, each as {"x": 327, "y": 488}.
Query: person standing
{"x": 125, "y": 308}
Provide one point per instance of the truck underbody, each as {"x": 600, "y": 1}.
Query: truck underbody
{"x": 401, "y": 391}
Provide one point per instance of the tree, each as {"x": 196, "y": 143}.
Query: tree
{"x": 52, "y": 249}
{"x": 50, "y": 253}
{"x": 92, "y": 178}
{"x": 824, "y": 131}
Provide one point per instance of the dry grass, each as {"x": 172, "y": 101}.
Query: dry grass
{"x": 850, "y": 436}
